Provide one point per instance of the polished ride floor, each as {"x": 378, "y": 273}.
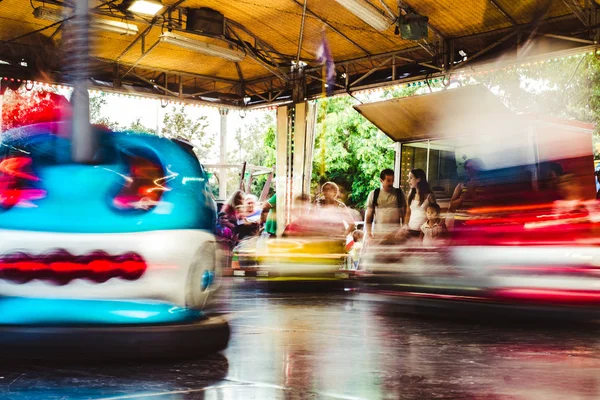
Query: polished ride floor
{"x": 339, "y": 346}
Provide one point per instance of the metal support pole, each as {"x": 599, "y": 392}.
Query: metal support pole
{"x": 448, "y": 54}
{"x": 250, "y": 179}
{"x": 266, "y": 188}
{"x": 223, "y": 154}
{"x": 243, "y": 176}
{"x": 298, "y": 84}
{"x": 298, "y": 148}
{"x": 427, "y": 166}
{"x": 117, "y": 77}
{"x": 84, "y": 141}
{"x": 309, "y": 145}
{"x": 397, "y": 164}
{"x": 281, "y": 166}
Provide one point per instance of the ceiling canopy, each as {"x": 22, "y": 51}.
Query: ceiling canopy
{"x": 459, "y": 112}
{"x": 252, "y": 53}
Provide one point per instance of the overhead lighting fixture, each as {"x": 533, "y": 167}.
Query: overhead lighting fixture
{"x": 124, "y": 28}
{"x": 145, "y": 7}
{"x": 49, "y": 14}
{"x": 368, "y": 13}
{"x": 202, "y": 47}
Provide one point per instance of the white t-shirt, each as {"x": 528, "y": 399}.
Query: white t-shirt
{"x": 387, "y": 216}
{"x": 418, "y": 214}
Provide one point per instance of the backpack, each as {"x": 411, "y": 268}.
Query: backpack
{"x": 399, "y": 198}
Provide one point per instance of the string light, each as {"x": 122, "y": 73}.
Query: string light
{"x": 417, "y": 84}
{"x": 509, "y": 68}
{"x": 48, "y": 86}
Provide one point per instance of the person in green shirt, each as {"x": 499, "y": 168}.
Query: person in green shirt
{"x": 271, "y": 223}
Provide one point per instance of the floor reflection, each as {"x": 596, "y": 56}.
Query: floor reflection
{"x": 337, "y": 346}
{"x": 341, "y": 347}
{"x": 172, "y": 380}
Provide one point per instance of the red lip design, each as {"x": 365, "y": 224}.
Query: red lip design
{"x": 61, "y": 267}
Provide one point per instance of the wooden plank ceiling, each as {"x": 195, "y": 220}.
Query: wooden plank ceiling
{"x": 269, "y": 32}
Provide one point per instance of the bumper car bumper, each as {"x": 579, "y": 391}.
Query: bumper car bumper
{"x": 65, "y": 329}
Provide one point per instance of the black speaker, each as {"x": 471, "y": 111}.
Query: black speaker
{"x": 413, "y": 27}
{"x": 206, "y": 21}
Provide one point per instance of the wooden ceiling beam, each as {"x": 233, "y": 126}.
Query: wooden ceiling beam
{"x": 170, "y": 71}
{"x": 274, "y": 67}
{"x": 503, "y": 12}
{"x": 576, "y": 9}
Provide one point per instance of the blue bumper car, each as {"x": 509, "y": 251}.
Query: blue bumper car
{"x": 118, "y": 254}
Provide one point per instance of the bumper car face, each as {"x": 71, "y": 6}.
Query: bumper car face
{"x": 136, "y": 226}
{"x": 298, "y": 257}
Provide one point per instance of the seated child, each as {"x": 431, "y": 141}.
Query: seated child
{"x": 357, "y": 239}
{"x": 434, "y": 228}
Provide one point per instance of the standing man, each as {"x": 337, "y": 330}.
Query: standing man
{"x": 386, "y": 207}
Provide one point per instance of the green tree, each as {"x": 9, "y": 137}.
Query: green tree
{"x": 178, "y": 125}
{"x": 97, "y": 102}
{"x": 138, "y": 127}
{"x": 566, "y": 88}
{"x": 349, "y": 150}
{"x": 254, "y": 144}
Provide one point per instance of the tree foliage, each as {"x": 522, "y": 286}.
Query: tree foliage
{"x": 255, "y": 144}
{"x": 349, "y": 150}
{"x": 99, "y": 100}
{"x": 138, "y": 127}
{"x": 566, "y": 88}
{"x": 179, "y": 125}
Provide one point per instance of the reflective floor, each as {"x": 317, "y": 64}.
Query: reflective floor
{"x": 340, "y": 346}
